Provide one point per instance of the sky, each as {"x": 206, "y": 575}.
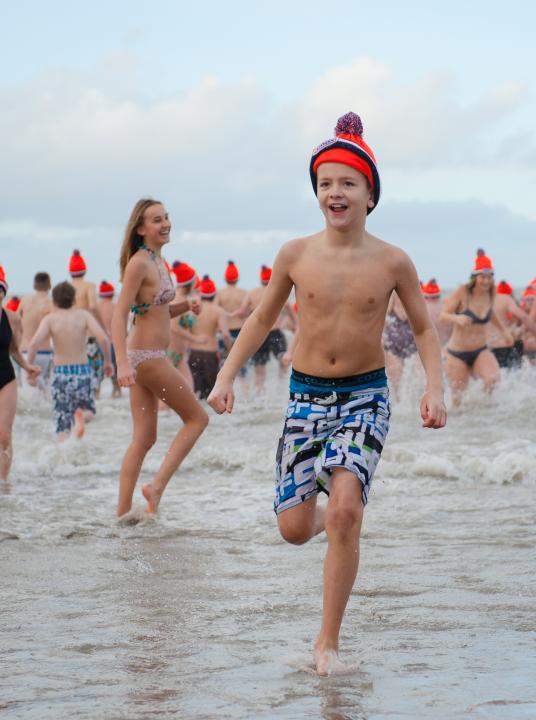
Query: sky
{"x": 214, "y": 108}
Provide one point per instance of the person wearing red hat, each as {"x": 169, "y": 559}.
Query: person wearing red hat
{"x": 13, "y": 303}
{"x": 470, "y": 311}
{"x": 148, "y": 295}
{"x": 32, "y": 310}
{"x": 338, "y": 413}
{"x": 434, "y": 303}
{"x": 105, "y": 309}
{"x": 231, "y": 298}
{"x": 204, "y": 359}
{"x": 516, "y": 321}
{"x": 9, "y": 348}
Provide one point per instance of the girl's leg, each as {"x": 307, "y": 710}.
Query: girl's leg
{"x": 487, "y": 368}
{"x": 8, "y": 407}
{"x": 458, "y": 376}
{"x": 144, "y": 408}
{"x": 166, "y": 383}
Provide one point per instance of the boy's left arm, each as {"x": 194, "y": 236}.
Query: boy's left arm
{"x": 433, "y": 411}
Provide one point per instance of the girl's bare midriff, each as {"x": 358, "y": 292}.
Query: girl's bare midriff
{"x": 151, "y": 330}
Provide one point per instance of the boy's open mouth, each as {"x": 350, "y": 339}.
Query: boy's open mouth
{"x": 338, "y": 207}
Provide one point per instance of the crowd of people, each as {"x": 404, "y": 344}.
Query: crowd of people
{"x": 175, "y": 340}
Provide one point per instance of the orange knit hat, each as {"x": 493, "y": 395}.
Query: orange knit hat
{"x": 431, "y": 289}
{"x": 266, "y": 274}
{"x": 77, "y": 264}
{"x": 184, "y": 274}
{"x": 483, "y": 264}
{"x": 348, "y": 148}
{"x": 231, "y": 273}
{"x": 3, "y": 281}
{"x": 106, "y": 289}
{"x": 207, "y": 288}
{"x": 504, "y": 288}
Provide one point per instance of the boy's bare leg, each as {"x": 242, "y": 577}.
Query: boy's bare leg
{"x": 79, "y": 423}
{"x": 8, "y": 406}
{"x": 344, "y": 515}
{"x": 162, "y": 379}
{"x": 143, "y": 404}
{"x": 302, "y": 522}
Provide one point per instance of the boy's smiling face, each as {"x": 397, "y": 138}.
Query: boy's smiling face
{"x": 344, "y": 195}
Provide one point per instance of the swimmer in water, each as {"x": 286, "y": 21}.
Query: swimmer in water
{"x": 32, "y": 310}
{"x": 515, "y": 320}
{"x": 470, "y": 310}
{"x": 338, "y": 415}
{"x": 142, "y": 364}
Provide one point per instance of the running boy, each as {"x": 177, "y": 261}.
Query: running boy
{"x": 338, "y": 416}
{"x": 67, "y": 327}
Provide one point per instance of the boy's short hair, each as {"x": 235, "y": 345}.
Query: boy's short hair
{"x": 42, "y": 281}
{"x": 63, "y": 295}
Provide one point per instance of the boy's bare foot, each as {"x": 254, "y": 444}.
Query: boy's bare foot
{"x": 152, "y": 496}
{"x": 327, "y": 663}
{"x": 79, "y": 423}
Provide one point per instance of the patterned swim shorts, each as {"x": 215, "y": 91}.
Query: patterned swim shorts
{"x": 71, "y": 389}
{"x": 329, "y": 428}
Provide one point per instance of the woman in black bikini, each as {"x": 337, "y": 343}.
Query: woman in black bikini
{"x": 469, "y": 310}
{"x": 8, "y": 385}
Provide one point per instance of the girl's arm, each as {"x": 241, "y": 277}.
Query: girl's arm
{"x": 132, "y": 281}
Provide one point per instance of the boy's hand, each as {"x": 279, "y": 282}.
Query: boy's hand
{"x": 33, "y": 371}
{"x": 221, "y": 399}
{"x": 195, "y": 306}
{"x": 126, "y": 377}
{"x": 108, "y": 370}
{"x": 433, "y": 410}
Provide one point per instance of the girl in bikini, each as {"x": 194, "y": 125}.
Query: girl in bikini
{"x": 469, "y": 310}
{"x": 142, "y": 364}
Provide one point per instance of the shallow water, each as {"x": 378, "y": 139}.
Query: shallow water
{"x": 205, "y": 613}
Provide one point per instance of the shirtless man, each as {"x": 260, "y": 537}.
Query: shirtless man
{"x": 86, "y": 299}
{"x": 67, "y": 327}
{"x": 105, "y": 308}
{"x": 204, "y": 358}
{"x": 515, "y": 320}
{"x": 338, "y": 415}
{"x": 231, "y": 298}
{"x": 275, "y": 342}
{"x": 32, "y": 310}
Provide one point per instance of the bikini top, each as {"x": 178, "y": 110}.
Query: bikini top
{"x": 476, "y": 320}
{"x": 165, "y": 293}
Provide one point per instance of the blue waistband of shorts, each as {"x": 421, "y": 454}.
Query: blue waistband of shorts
{"x": 302, "y": 383}
{"x": 72, "y": 369}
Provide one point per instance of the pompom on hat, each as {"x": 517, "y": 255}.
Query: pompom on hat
{"x": 3, "y": 281}
{"x": 483, "y": 264}
{"x": 106, "y": 289}
{"x": 77, "y": 264}
{"x": 265, "y": 274}
{"x": 504, "y": 288}
{"x": 13, "y": 303}
{"x": 184, "y": 274}
{"x": 431, "y": 289}
{"x": 348, "y": 148}
{"x": 231, "y": 272}
{"x": 207, "y": 288}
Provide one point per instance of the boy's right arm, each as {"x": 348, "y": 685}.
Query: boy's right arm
{"x": 132, "y": 280}
{"x": 254, "y": 330}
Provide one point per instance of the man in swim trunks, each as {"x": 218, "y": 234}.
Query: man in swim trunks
{"x": 231, "y": 298}
{"x": 32, "y": 310}
{"x": 71, "y": 389}
{"x": 204, "y": 360}
{"x": 338, "y": 414}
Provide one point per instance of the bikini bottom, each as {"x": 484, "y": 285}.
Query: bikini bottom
{"x": 467, "y": 356}
{"x": 135, "y": 357}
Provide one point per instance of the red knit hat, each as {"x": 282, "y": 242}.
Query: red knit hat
{"x": 3, "y": 281}
{"x": 184, "y": 274}
{"x": 483, "y": 264}
{"x": 231, "y": 272}
{"x": 529, "y": 291}
{"x": 349, "y": 148}
{"x": 504, "y": 288}
{"x": 207, "y": 289}
{"x": 266, "y": 274}
{"x": 77, "y": 264}
{"x": 106, "y": 289}
{"x": 13, "y": 303}
{"x": 431, "y": 289}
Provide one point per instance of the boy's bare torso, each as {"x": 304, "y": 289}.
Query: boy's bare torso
{"x": 342, "y": 295}
{"x": 207, "y": 323}
{"x": 230, "y": 299}
{"x": 32, "y": 310}
{"x": 68, "y": 330}
{"x": 86, "y": 294}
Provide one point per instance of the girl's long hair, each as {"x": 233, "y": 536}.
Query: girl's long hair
{"x": 131, "y": 240}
